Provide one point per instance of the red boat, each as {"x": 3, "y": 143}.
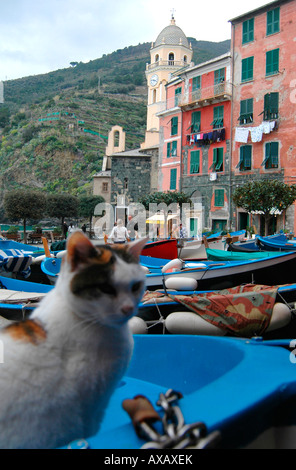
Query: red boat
{"x": 166, "y": 249}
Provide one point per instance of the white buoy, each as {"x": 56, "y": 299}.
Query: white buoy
{"x": 173, "y": 264}
{"x": 137, "y": 326}
{"x": 38, "y": 259}
{"x": 61, "y": 253}
{"x": 188, "y": 323}
{"x": 281, "y": 316}
{"x": 181, "y": 283}
{"x": 145, "y": 269}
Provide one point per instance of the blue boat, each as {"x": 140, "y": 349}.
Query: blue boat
{"x": 268, "y": 244}
{"x": 234, "y": 393}
{"x": 18, "y": 298}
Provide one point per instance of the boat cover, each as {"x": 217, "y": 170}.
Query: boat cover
{"x": 242, "y": 311}
{"x": 16, "y": 261}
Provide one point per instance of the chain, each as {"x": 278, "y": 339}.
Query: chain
{"x": 177, "y": 434}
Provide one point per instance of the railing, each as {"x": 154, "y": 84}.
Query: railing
{"x": 171, "y": 63}
{"x": 202, "y": 96}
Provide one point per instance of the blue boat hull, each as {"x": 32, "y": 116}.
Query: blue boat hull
{"x": 237, "y": 387}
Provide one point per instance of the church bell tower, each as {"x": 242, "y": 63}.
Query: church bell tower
{"x": 170, "y": 52}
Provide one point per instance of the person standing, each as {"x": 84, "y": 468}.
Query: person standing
{"x": 183, "y": 231}
{"x": 65, "y": 230}
{"x": 119, "y": 233}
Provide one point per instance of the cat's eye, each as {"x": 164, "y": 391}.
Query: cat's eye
{"x": 136, "y": 286}
{"x": 107, "y": 289}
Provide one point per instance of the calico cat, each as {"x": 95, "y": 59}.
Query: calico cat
{"x": 62, "y": 364}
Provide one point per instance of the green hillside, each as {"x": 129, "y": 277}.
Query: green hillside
{"x": 55, "y": 126}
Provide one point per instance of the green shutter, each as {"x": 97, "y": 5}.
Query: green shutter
{"x": 178, "y": 92}
{"x": 195, "y": 122}
{"x": 218, "y": 121}
{"x": 173, "y": 183}
{"x": 245, "y": 160}
{"x": 273, "y": 21}
{"x": 272, "y": 61}
{"x": 194, "y": 161}
{"x": 247, "y": 69}
{"x": 271, "y": 106}
{"x": 246, "y": 111}
{"x": 248, "y": 31}
{"x": 219, "y": 76}
{"x": 168, "y": 150}
{"x": 271, "y": 155}
{"x": 174, "y": 124}
{"x": 195, "y": 83}
{"x": 217, "y": 159}
{"x": 219, "y": 198}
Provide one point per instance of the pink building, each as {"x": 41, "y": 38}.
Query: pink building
{"x": 264, "y": 63}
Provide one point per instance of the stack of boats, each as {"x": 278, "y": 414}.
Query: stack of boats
{"x": 216, "y": 325}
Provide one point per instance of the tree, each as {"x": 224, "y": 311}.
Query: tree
{"x": 265, "y": 196}
{"x": 87, "y": 206}
{"x": 23, "y": 205}
{"x": 62, "y": 205}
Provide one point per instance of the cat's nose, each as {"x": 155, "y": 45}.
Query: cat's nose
{"x": 127, "y": 310}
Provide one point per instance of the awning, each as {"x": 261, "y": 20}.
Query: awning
{"x": 160, "y": 218}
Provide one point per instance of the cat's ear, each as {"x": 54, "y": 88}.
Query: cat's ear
{"x": 135, "y": 248}
{"x": 79, "y": 249}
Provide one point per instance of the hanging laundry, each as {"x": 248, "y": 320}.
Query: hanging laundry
{"x": 241, "y": 134}
{"x": 256, "y": 134}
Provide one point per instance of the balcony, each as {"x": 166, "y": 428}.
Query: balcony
{"x": 202, "y": 97}
{"x": 167, "y": 63}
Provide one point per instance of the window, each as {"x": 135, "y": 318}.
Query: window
{"x": 171, "y": 58}
{"x": 218, "y": 117}
{"x": 247, "y": 69}
{"x": 196, "y": 87}
{"x": 271, "y": 106}
{"x": 194, "y": 161}
{"x": 195, "y": 122}
{"x": 219, "y": 79}
{"x": 125, "y": 183}
{"x": 272, "y": 61}
{"x": 173, "y": 179}
{"x": 245, "y": 160}
{"x": 248, "y": 31}
{"x": 219, "y": 198}
{"x": 217, "y": 160}
{"x": 273, "y": 21}
{"x": 178, "y": 92}
{"x": 174, "y": 125}
{"x": 196, "y": 82}
{"x": 271, "y": 159}
{"x": 246, "y": 111}
{"x": 172, "y": 149}
{"x": 105, "y": 187}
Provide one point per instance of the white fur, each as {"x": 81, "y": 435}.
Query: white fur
{"x": 57, "y": 391}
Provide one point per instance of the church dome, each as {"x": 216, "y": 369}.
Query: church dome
{"x": 172, "y": 35}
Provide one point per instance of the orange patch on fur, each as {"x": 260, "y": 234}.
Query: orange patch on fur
{"x": 105, "y": 256}
{"x": 28, "y": 331}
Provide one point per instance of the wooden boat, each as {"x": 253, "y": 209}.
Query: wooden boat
{"x": 18, "y": 298}
{"x": 225, "y": 255}
{"x": 166, "y": 248}
{"x": 253, "y": 245}
{"x": 268, "y": 244}
{"x": 212, "y": 275}
{"x": 238, "y": 393}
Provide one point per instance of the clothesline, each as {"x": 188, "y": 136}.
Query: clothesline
{"x": 242, "y": 133}
{"x": 217, "y": 135}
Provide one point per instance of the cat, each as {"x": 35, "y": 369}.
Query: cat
{"x": 62, "y": 364}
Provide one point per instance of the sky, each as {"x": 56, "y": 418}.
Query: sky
{"x": 39, "y": 36}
